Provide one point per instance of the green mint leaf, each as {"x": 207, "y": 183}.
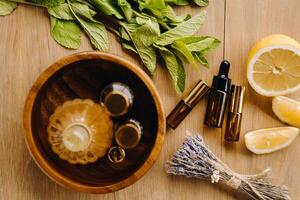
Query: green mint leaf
{"x": 143, "y": 37}
{"x": 97, "y": 34}
{"x": 168, "y": 12}
{"x": 123, "y": 34}
{"x": 175, "y": 68}
{"x": 66, "y": 33}
{"x": 165, "y": 25}
{"x": 182, "y": 51}
{"x": 61, "y": 11}
{"x": 107, "y": 7}
{"x": 141, "y": 20}
{"x": 83, "y": 11}
{"x": 204, "y": 44}
{"x": 192, "y": 39}
{"x": 129, "y": 46}
{"x": 96, "y": 31}
{"x": 46, "y": 3}
{"x": 85, "y": 2}
{"x": 201, "y": 59}
{"x": 201, "y": 2}
{"x": 161, "y": 11}
{"x": 178, "y": 2}
{"x": 184, "y": 29}
{"x": 151, "y": 4}
{"x": 126, "y": 9}
{"x": 7, "y": 7}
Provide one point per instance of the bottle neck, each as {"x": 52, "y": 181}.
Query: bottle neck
{"x": 222, "y": 83}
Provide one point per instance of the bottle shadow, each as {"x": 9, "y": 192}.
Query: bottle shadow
{"x": 263, "y": 103}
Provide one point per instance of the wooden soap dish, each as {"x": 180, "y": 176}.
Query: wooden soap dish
{"x": 83, "y": 76}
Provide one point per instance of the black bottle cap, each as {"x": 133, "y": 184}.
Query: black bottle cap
{"x": 224, "y": 68}
{"x": 221, "y": 81}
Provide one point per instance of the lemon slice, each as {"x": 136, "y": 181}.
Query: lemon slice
{"x": 273, "y": 66}
{"x": 287, "y": 110}
{"x": 270, "y": 140}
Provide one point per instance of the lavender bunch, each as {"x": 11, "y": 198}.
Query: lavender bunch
{"x": 194, "y": 159}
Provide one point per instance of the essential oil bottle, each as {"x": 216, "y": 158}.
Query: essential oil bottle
{"x": 128, "y": 134}
{"x": 234, "y": 116}
{"x": 217, "y": 98}
{"x": 117, "y": 99}
{"x": 116, "y": 154}
{"x": 185, "y": 106}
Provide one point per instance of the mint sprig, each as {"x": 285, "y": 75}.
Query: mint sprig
{"x": 149, "y": 28}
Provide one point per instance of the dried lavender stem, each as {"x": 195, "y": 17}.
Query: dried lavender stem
{"x": 194, "y": 159}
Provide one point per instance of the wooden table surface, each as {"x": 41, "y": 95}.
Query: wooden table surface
{"x": 26, "y": 49}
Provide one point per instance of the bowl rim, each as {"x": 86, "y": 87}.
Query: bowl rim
{"x": 37, "y": 155}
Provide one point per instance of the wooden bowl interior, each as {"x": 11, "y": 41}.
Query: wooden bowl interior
{"x": 85, "y": 79}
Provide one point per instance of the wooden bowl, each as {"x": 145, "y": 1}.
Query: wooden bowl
{"x": 84, "y": 75}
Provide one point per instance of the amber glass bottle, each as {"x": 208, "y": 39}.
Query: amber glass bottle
{"x": 218, "y": 95}
{"x": 117, "y": 98}
{"x": 184, "y": 107}
{"x": 128, "y": 134}
{"x": 116, "y": 154}
{"x": 234, "y": 117}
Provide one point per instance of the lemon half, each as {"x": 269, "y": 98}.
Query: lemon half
{"x": 270, "y": 140}
{"x": 273, "y": 66}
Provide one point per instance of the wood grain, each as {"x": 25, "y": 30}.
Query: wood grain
{"x": 26, "y": 49}
{"x": 245, "y": 25}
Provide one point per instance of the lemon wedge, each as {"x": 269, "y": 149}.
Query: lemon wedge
{"x": 273, "y": 66}
{"x": 270, "y": 140}
{"x": 287, "y": 110}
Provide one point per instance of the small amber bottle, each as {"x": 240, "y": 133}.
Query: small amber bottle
{"x": 234, "y": 116}
{"x": 116, "y": 154}
{"x": 218, "y": 95}
{"x": 117, "y": 99}
{"x": 128, "y": 134}
{"x": 184, "y": 107}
